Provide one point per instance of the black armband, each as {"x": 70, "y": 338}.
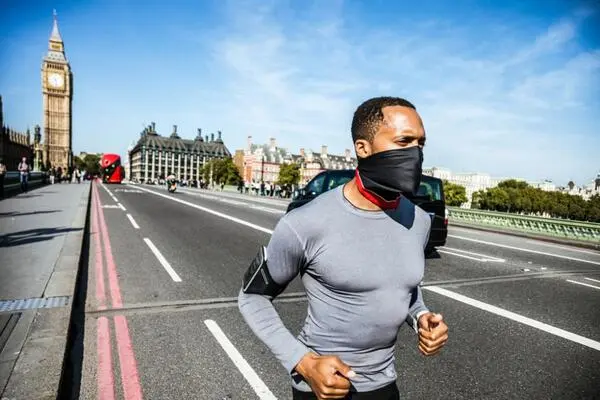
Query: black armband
{"x": 258, "y": 280}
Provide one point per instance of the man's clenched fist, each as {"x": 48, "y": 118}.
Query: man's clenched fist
{"x": 328, "y": 376}
{"x": 433, "y": 333}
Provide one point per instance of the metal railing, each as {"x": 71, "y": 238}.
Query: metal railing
{"x": 12, "y": 180}
{"x": 559, "y": 228}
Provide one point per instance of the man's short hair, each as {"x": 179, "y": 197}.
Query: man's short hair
{"x": 369, "y": 115}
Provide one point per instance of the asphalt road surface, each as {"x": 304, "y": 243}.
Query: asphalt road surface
{"x": 524, "y": 315}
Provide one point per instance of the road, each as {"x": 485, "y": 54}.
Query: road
{"x": 524, "y": 315}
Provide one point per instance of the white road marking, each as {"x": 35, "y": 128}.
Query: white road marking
{"x": 460, "y": 255}
{"x": 110, "y": 206}
{"x": 593, "y": 280}
{"x": 584, "y": 284}
{"x": 525, "y": 250}
{"x": 234, "y": 202}
{"x": 121, "y": 207}
{"x": 251, "y": 376}
{"x": 163, "y": 261}
{"x": 135, "y": 225}
{"x": 267, "y": 209}
{"x": 237, "y": 202}
{"x": 208, "y": 210}
{"x": 484, "y": 256}
{"x": 516, "y": 317}
{"x": 109, "y": 193}
{"x": 539, "y": 243}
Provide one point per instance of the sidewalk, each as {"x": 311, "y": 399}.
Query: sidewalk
{"x": 41, "y": 238}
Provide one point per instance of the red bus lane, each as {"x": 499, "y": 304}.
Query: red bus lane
{"x": 128, "y": 366}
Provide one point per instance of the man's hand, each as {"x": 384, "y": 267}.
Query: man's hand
{"x": 328, "y": 376}
{"x": 433, "y": 333}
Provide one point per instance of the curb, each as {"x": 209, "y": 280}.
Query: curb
{"x": 44, "y": 367}
{"x": 550, "y": 239}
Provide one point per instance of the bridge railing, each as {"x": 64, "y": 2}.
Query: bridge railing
{"x": 12, "y": 180}
{"x": 566, "y": 229}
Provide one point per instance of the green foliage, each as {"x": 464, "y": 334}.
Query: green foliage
{"x": 223, "y": 171}
{"x": 289, "y": 174}
{"x": 78, "y": 163}
{"x": 91, "y": 164}
{"x": 455, "y": 194}
{"x": 519, "y": 197}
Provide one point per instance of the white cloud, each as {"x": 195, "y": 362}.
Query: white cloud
{"x": 300, "y": 79}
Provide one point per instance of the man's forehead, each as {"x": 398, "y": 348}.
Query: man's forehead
{"x": 402, "y": 118}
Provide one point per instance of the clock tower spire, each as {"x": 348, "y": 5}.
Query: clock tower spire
{"x": 57, "y": 93}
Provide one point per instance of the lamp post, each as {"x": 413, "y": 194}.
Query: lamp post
{"x": 262, "y": 168}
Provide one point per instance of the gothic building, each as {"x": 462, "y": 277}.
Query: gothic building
{"x": 57, "y": 94}
{"x": 14, "y": 145}
{"x": 154, "y": 156}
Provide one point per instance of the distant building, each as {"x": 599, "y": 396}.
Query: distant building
{"x": 14, "y": 145}
{"x": 154, "y": 156}
{"x": 261, "y": 162}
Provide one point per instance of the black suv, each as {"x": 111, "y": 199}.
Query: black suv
{"x": 430, "y": 197}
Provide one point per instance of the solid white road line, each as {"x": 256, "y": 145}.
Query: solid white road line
{"x": 584, "y": 284}
{"x": 525, "y": 250}
{"x": 163, "y": 261}
{"x": 251, "y": 376}
{"x": 135, "y": 225}
{"x": 539, "y": 243}
{"x": 460, "y": 255}
{"x": 208, "y": 210}
{"x": 486, "y": 257}
{"x": 516, "y": 317}
{"x": 593, "y": 280}
{"x": 121, "y": 207}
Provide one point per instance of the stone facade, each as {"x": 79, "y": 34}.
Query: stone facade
{"x": 57, "y": 93}
{"x": 14, "y": 145}
{"x": 154, "y": 157}
{"x": 261, "y": 162}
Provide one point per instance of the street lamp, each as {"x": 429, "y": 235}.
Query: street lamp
{"x": 262, "y": 168}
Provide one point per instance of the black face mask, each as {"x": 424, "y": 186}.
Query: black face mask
{"x": 392, "y": 172}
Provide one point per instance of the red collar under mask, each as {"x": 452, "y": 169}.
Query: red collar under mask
{"x": 374, "y": 197}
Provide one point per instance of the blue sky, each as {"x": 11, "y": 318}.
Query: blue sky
{"x": 508, "y": 89}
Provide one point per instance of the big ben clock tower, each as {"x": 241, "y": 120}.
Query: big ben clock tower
{"x": 57, "y": 89}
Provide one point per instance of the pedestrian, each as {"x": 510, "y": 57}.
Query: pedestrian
{"x": 52, "y": 175}
{"x": 2, "y": 176}
{"x": 359, "y": 250}
{"x": 24, "y": 174}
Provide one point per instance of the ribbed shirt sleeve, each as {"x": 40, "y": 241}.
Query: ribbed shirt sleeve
{"x": 417, "y": 306}
{"x": 285, "y": 258}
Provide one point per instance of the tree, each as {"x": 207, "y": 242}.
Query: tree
{"x": 514, "y": 184}
{"x": 455, "y": 194}
{"x": 289, "y": 174}
{"x": 79, "y": 163}
{"x": 571, "y": 185}
{"x": 91, "y": 164}
{"x": 223, "y": 171}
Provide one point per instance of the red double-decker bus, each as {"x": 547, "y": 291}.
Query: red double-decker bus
{"x": 111, "y": 169}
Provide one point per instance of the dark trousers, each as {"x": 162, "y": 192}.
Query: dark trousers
{"x": 2, "y": 186}
{"x": 389, "y": 392}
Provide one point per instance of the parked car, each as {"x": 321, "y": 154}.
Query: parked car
{"x": 429, "y": 197}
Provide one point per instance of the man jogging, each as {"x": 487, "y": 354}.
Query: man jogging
{"x": 359, "y": 249}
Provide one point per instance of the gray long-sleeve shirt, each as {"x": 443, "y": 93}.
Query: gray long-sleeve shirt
{"x": 361, "y": 271}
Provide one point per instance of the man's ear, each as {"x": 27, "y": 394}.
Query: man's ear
{"x": 362, "y": 148}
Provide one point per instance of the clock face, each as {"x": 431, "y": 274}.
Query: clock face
{"x": 55, "y": 80}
